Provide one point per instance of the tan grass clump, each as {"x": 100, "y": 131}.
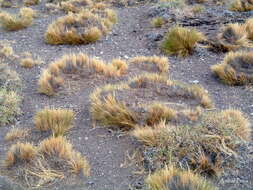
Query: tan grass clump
{"x": 31, "y": 2}
{"x": 181, "y": 41}
{"x": 111, "y": 105}
{"x": 15, "y": 133}
{"x": 52, "y": 77}
{"x": 20, "y": 152}
{"x": 174, "y": 179}
{"x": 233, "y": 37}
{"x": 58, "y": 147}
{"x": 241, "y": 5}
{"x": 59, "y": 121}
{"x": 76, "y": 6}
{"x": 16, "y": 22}
{"x": 236, "y": 68}
{"x": 249, "y": 28}
{"x": 150, "y": 63}
{"x": 157, "y": 22}
{"x": 9, "y": 79}
{"x": 206, "y": 147}
{"x": 28, "y": 62}
{"x": 82, "y": 28}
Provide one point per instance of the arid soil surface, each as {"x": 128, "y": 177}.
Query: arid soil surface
{"x": 107, "y": 150}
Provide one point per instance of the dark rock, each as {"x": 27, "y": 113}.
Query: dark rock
{"x": 154, "y": 37}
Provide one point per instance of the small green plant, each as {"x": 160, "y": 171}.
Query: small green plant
{"x": 181, "y": 41}
{"x": 157, "y": 22}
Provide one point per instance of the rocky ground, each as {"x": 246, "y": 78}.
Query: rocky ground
{"x": 132, "y": 35}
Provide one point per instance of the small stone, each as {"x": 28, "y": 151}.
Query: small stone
{"x": 194, "y": 81}
{"x": 126, "y": 57}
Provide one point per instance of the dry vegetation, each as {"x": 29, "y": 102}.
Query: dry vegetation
{"x": 12, "y": 22}
{"x": 174, "y": 179}
{"x": 181, "y": 41}
{"x": 206, "y": 146}
{"x": 52, "y": 77}
{"x": 241, "y": 5}
{"x": 59, "y": 121}
{"x": 18, "y": 3}
{"x": 87, "y": 26}
{"x": 111, "y": 106}
{"x": 15, "y": 134}
{"x": 53, "y": 159}
{"x": 236, "y": 68}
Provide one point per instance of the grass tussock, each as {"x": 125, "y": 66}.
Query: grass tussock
{"x": 52, "y": 77}
{"x": 59, "y": 121}
{"x": 9, "y": 106}
{"x": 31, "y": 2}
{"x": 76, "y": 6}
{"x": 110, "y": 105}
{"x": 174, "y": 179}
{"x": 249, "y": 28}
{"x": 233, "y": 37}
{"x": 20, "y": 152}
{"x": 51, "y": 161}
{"x": 82, "y": 28}
{"x": 29, "y": 62}
{"x": 181, "y": 41}
{"x": 59, "y": 147}
{"x": 236, "y": 68}
{"x": 15, "y": 134}
{"x": 207, "y": 147}
{"x": 151, "y": 63}
{"x": 16, "y": 22}
{"x": 241, "y": 5}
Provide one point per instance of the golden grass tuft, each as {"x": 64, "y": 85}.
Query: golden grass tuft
{"x": 59, "y": 147}
{"x": 28, "y": 62}
{"x": 233, "y": 37}
{"x": 241, "y": 5}
{"x": 15, "y": 134}
{"x": 249, "y": 28}
{"x": 59, "y": 121}
{"x": 16, "y": 22}
{"x": 31, "y": 2}
{"x": 111, "y": 106}
{"x": 82, "y": 28}
{"x": 151, "y": 63}
{"x": 174, "y": 179}
{"x": 76, "y": 6}
{"x": 52, "y": 77}
{"x": 236, "y": 68}
{"x": 203, "y": 147}
{"x": 181, "y": 41}
{"x": 20, "y": 152}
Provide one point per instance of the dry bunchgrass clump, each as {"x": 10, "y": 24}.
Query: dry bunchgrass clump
{"x": 15, "y": 133}
{"x": 111, "y": 106}
{"x": 242, "y": 5}
{"x": 82, "y": 28}
{"x": 16, "y": 22}
{"x": 76, "y": 6}
{"x": 236, "y": 68}
{"x": 249, "y": 28}
{"x": 181, "y": 41}
{"x": 150, "y": 63}
{"x": 205, "y": 147}
{"x": 59, "y": 148}
{"x": 9, "y": 106}
{"x": 174, "y": 179}
{"x": 29, "y": 62}
{"x": 59, "y": 121}
{"x": 53, "y": 159}
{"x": 232, "y": 37}
{"x": 52, "y": 77}
{"x": 20, "y": 152}
{"x": 18, "y": 3}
